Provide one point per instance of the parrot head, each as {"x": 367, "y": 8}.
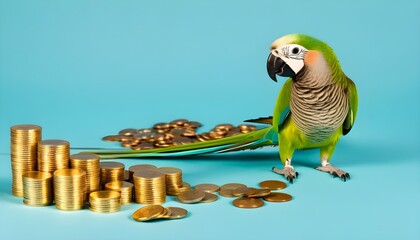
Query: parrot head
{"x": 293, "y": 53}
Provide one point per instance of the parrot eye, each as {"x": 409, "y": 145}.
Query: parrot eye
{"x": 295, "y": 50}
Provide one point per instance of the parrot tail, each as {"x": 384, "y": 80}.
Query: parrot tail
{"x": 260, "y": 138}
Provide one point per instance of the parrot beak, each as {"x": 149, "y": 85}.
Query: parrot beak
{"x": 276, "y": 66}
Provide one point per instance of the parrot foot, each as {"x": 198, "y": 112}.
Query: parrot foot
{"x": 288, "y": 172}
{"x": 334, "y": 171}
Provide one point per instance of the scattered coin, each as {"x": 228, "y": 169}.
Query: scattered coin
{"x": 209, "y": 197}
{"x": 191, "y": 196}
{"x": 148, "y": 213}
{"x": 177, "y": 212}
{"x": 207, "y": 187}
{"x": 273, "y": 184}
{"x": 227, "y": 189}
{"x": 278, "y": 197}
{"x": 243, "y": 191}
{"x": 260, "y": 193}
{"x": 247, "y": 202}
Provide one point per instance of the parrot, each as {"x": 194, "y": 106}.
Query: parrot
{"x": 316, "y": 105}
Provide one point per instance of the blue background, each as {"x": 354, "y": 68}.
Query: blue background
{"x": 85, "y": 69}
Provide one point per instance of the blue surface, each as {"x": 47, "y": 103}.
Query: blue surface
{"x": 84, "y": 69}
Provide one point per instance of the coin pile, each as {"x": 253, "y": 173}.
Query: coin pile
{"x": 124, "y": 188}
{"x": 173, "y": 178}
{"x": 176, "y": 132}
{"x": 23, "y": 153}
{"x": 149, "y": 187}
{"x": 69, "y": 189}
{"x": 111, "y": 172}
{"x": 105, "y": 201}
{"x": 53, "y": 155}
{"x": 139, "y": 168}
{"x": 90, "y": 164}
{"x": 196, "y": 196}
{"x": 37, "y": 188}
{"x": 152, "y": 212}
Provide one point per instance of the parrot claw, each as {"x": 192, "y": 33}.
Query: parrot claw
{"x": 335, "y": 172}
{"x": 288, "y": 173}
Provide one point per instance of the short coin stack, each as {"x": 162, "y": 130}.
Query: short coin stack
{"x": 37, "y": 188}
{"x": 111, "y": 172}
{"x": 90, "y": 164}
{"x": 23, "y": 149}
{"x": 124, "y": 188}
{"x": 150, "y": 187}
{"x": 173, "y": 178}
{"x": 152, "y": 212}
{"x": 105, "y": 201}
{"x": 53, "y": 155}
{"x": 69, "y": 189}
{"x": 176, "y": 132}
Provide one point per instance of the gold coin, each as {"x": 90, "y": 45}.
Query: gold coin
{"x": 128, "y": 132}
{"x": 195, "y": 124}
{"x": 260, "y": 193}
{"x": 278, "y": 197}
{"x": 209, "y": 197}
{"x": 147, "y": 213}
{"x": 207, "y": 187}
{"x": 111, "y": 138}
{"x": 273, "y": 184}
{"x": 227, "y": 189}
{"x": 165, "y": 214}
{"x": 247, "y": 202}
{"x": 177, "y": 212}
{"x": 243, "y": 191}
{"x": 191, "y": 196}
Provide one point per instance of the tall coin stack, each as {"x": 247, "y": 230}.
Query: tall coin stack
{"x": 53, "y": 155}
{"x": 23, "y": 149}
{"x": 138, "y": 168}
{"x": 149, "y": 187}
{"x": 173, "y": 178}
{"x": 125, "y": 188}
{"x": 37, "y": 188}
{"x": 69, "y": 189}
{"x": 105, "y": 201}
{"x": 88, "y": 162}
{"x": 111, "y": 172}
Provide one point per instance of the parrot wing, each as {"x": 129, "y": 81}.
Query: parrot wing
{"x": 282, "y": 110}
{"x": 353, "y": 103}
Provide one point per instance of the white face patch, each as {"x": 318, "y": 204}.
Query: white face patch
{"x": 292, "y": 55}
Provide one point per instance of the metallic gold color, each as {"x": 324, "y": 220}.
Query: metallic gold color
{"x": 177, "y": 213}
{"x": 69, "y": 189}
{"x": 246, "y": 202}
{"x": 105, "y": 201}
{"x": 148, "y": 213}
{"x": 53, "y": 155}
{"x": 209, "y": 197}
{"x": 243, "y": 191}
{"x": 139, "y": 168}
{"x": 124, "y": 188}
{"x": 111, "y": 172}
{"x": 273, "y": 184}
{"x": 260, "y": 193}
{"x": 227, "y": 189}
{"x": 207, "y": 187}
{"x": 88, "y": 162}
{"x": 191, "y": 196}
{"x": 149, "y": 187}
{"x": 37, "y": 188}
{"x": 278, "y": 197}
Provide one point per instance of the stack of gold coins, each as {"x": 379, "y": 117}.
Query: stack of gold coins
{"x": 88, "y": 162}
{"x": 37, "y": 188}
{"x": 105, "y": 201}
{"x": 23, "y": 148}
{"x": 125, "y": 188}
{"x": 149, "y": 187}
{"x": 69, "y": 189}
{"x": 111, "y": 172}
{"x": 138, "y": 168}
{"x": 53, "y": 155}
{"x": 173, "y": 178}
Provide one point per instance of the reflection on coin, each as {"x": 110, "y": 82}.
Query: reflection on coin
{"x": 147, "y": 213}
{"x": 209, "y": 197}
{"x": 278, "y": 197}
{"x": 273, "y": 184}
{"x": 207, "y": 187}
{"x": 246, "y": 202}
{"x": 191, "y": 196}
{"x": 243, "y": 191}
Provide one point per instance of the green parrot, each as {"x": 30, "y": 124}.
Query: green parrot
{"x": 315, "y": 107}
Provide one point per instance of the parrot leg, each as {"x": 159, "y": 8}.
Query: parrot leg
{"x": 336, "y": 172}
{"x": 288, "y": 171}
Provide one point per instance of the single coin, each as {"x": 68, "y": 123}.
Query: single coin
{"x": 209, "y": 197}
{"x": 141, "y": 167}
{"x": 278, "y": 197}
{"x": 260, "y": 193}
{"x": 191, "y": 196}
{"x": 207, "y": 187}
{"x": 177, "y": 213}
{"x": 112, "y": 138}
{"x": 128, "y": 132}
{"x": 147, "y": 213}
{"x": 246, "y": 202}
{"x": 112, "y": 165}
{"x": 243, "y": 191}
{"x": 273, "y": 184}
{"x": 232, "y": 186}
